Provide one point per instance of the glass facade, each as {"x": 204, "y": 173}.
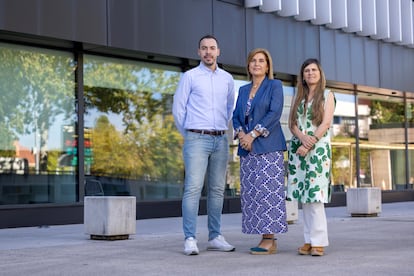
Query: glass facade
{"x": 135, "y": 147}
{"x": 382, "y": 146}
{"x": 130, "y": 143}
{"x": 37, "y": 105}
{"x": 410, "y": 144}
{"x": 371, "y": 151}
{"x": 343, "y": 141}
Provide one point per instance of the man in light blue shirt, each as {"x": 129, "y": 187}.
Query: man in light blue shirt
{"x": 202, "y": 109}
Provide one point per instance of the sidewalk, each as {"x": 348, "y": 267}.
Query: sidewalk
{"x": 382, "y": 245}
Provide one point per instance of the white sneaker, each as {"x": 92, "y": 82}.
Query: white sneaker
{"x": 220, "y": 244}
{"x": 190, "y": 246}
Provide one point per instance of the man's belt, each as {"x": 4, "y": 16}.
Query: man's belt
{"x": 209, "y": 132}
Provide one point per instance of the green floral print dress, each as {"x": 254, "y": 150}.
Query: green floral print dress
{"x": 309, "y": 177}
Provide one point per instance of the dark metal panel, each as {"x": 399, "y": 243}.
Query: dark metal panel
{"x": 401, "y": 76}
{"x": 342, "y": 57}
{"x": 167, "y": 27}
{"x": 364, "y": 61}
{"x": 371, "y": 61}
{"x": 385, "y": 60}
{"x": 302, "y": 43}
{"x": 328, "y": 53}
{"x": 289, "y": 41}
{"x": 407, "y": 69}
{"x": 403, "y": 64}
{"x": 307, "y": 42}
{"x": 228, "y": 27}
{"x": 42, "y": 215}
{"x": 356, "y": 59}
{"x": 235, "y": 2}
{"x": 350, "y": 59}
{"x": 397, "y": 65}
{"x": 19, "y": 16}
{"x": 76, "y": 20}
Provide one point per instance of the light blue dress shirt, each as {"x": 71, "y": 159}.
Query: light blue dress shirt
{"x": 204, "y": 99}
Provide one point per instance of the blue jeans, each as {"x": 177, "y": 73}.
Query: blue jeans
{"x": 204, "y": 156}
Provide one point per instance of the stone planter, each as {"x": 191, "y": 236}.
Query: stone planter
{"x": 363, "y": 202}
{"x": 292, "y": 211}
{"x": 110, "y": 217}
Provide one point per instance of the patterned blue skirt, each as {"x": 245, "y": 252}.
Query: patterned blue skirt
{"x": 263, "y": 193}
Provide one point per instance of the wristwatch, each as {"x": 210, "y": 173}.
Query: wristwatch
{"x": 253, "y": 134}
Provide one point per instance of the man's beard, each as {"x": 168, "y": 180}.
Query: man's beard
{"x": 208, "y": 62}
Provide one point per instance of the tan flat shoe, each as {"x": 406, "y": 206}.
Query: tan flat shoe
{"x": 317, "y": 251}
{"x": 305, "y": 249}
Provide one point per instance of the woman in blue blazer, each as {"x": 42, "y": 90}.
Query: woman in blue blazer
{"x": 256, "y": 121}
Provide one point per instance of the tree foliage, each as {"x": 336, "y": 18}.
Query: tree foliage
{"x": 387, "y": 112}
{"x": 39, "y": 87}
{"x": 149, "y": 146}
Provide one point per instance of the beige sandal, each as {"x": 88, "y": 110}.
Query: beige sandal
{"x": 317, "y": 251}
{"x": 305, "y": 249}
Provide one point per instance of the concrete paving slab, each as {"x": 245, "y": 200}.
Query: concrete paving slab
{"x": 382, "y": 245}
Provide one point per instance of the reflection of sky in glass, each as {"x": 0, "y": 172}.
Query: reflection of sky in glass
{"x": 55, "y": 131}
{"x": 237, "y": 85}
{"x": 344, "y": 97}
{"x": 288, "y": 90}
{"x": 54, "y": 140}
{"x": 94, "y": 114}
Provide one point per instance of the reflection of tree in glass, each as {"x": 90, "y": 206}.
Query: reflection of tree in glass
{"x": 387, "y": 112}
{"x": 341, "y": 166}
{"x": 143, "y": 96}
{"x": 113, "y": 155}
{"x": 137, "y": 92}
{"x": 12, "y": 93}
{"x": 164, "y": 150}
{"x": 39, "y": 87}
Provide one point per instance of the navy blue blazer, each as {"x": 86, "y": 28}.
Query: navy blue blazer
{"x": 266, "y": 110}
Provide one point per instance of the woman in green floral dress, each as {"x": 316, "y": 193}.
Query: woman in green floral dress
{"x": 309, "y": 160}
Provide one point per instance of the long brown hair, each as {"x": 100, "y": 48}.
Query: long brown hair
{"x": 268, "y": 60}
{"x": 303, "y": 92}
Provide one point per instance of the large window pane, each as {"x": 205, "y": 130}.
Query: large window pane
{"x": 37, "y": 103}
{"x": 135, "y": 147}
{"x": 343, "y": 141}
{"x": 382, "y": 141}
{"x": 410, "y": 118}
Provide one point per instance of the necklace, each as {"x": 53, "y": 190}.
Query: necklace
{"x": 253, "y": 91}
{"x": 252, "y": 94}
{"x": 257, "y": 84}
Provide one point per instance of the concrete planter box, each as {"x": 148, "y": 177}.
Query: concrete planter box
{"x": 110, "y": 217}
{"x": 363, "y": 202}
{"x": 292, "y": 211}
